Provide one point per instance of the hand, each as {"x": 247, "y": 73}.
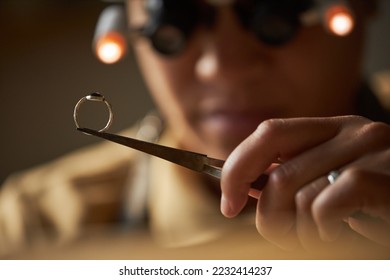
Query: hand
{"x": 298, "y": 206}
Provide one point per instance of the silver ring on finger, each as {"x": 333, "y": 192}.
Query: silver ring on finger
{"x": 333, "y": 175}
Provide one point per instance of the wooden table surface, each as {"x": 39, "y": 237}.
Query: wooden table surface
{"x": 242, "y": 244}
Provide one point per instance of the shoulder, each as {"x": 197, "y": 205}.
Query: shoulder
{"x": 61, "y": 197}
{"x": 89, "y": 161}
{"x": 380, "y": 84}
{"x": 373, "y": 98}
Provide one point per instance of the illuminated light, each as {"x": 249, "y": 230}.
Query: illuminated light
{"x": 339, "y": 20}
{"x": 111, "y": 47}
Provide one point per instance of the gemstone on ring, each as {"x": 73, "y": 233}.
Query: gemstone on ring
{"x": 95, "y": 96}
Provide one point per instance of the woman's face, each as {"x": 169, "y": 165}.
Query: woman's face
{"x": 226, "y": 82}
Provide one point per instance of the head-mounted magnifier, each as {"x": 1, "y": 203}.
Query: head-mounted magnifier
{"x": 170, "y": 23}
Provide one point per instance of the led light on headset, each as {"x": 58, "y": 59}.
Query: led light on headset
{"x": 110, "y": 47}
{"x": 337, "y": 16}
{"x": 339, "y": 20}
{"x": 109, "y": 43}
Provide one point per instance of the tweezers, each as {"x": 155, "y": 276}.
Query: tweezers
{"x": 191, "y": 160}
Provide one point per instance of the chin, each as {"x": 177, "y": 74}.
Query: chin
{"x": 221, "y": 137}
{"x": 220, "y": 146}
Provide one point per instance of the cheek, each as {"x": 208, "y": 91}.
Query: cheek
{"x": 180, "y": 88}
{"x": 326, "y": 69}
{"x": 171, "y": 85}
{"x": 159, "y": 75}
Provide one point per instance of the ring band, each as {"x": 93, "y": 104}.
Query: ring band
{"x": 332, "y": 176}
{"x": 97, "y": 97}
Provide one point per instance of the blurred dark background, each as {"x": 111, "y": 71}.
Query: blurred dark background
{"x": 46, "y": 66}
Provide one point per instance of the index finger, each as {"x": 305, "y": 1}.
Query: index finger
{"x": 276, "y": 139}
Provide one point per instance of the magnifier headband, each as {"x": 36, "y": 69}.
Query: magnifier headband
{"x": 171, "y": 22}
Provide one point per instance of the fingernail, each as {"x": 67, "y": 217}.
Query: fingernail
{"x": 225, "y": 207}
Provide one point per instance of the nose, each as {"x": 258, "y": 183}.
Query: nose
{"x": 229, "y": 52}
